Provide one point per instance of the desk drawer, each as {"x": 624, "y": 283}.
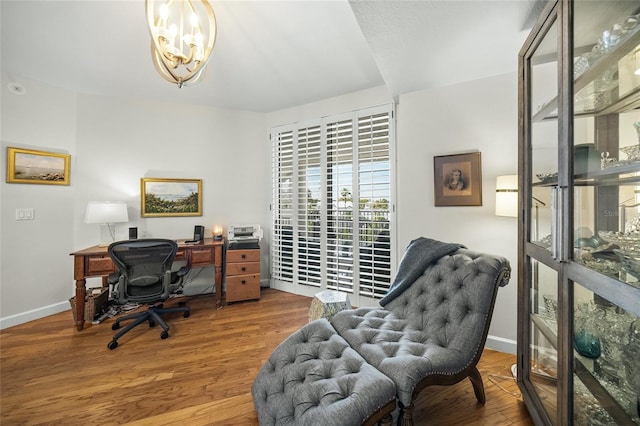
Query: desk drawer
{"x": 202, "y": 256}
{"x": 236, "y": 256}
{"x": 243, "y": 287}
{"x": 99, "y": 265}
{"x": 243, "y": 268}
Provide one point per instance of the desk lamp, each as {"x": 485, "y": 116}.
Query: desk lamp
{"x": 217, "y": 232}
{"x": 106, "y": 213}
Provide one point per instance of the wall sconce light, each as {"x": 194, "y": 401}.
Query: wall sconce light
{"x": 217, "y": 232}
{"x": 507, "y": 195}
{"x": 183, "y": 33}
{"x": 106, "y": 213}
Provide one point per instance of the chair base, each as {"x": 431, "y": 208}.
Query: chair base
{"x": 152, "y": 316}
{"x": 406, "y": 411}
{"x": 406, "y": 414}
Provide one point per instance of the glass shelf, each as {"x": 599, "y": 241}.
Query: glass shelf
{"x": 627, "y": 173}
{"x": 629, "y": 101}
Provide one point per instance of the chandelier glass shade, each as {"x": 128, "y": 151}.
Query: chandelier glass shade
{"x": 183, "y": 33}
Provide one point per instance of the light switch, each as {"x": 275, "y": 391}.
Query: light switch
{"x": 25, "y": 213}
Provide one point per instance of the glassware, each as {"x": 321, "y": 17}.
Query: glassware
{"x": 547, "y": 177}
{"x": 624, "y": 240}
{"x": 612, "y": 328}
{"x": 633, "y": 151}
{"x": 630, "y": 261}
{"x": 586, "y": 340}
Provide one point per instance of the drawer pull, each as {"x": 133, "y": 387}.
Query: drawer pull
{"x": 244, "y": 256}
{"x": 244, "y": 269}
{"x": 244, "y": 281}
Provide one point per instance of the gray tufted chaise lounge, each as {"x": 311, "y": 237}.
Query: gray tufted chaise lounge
{"x": 314, "y": 378}
{"x": 431, "y": 333}
{"x": 434, "y": 332}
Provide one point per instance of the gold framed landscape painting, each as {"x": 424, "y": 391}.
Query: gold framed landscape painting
{"x": 161, "y": 197}
{"x": 39, "y": 167}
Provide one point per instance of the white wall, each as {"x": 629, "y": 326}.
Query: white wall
{"x": 36, "y": 268}
{"x": 113, "y": 143}
{"x": 345, "y": 103}
{"x": 120, "y": 142}
{"x": 474, "y": 116}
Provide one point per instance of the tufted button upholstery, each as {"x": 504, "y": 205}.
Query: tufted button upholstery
{"x": 437, "y": 326}
{"x": 341, "y": 373}
{"x": 315, "y": 378}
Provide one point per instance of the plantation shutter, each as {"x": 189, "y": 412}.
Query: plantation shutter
{"x": 282, "y": 206}
{"x": 374, "y": 180}
{"x": 308, "y": 205}
{"x": 340, "y": 212}
{"x": 332, "y": 204}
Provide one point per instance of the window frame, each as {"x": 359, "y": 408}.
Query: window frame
{"x": 287, "y": 139}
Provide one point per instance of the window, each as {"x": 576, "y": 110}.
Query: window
{"x": 332, "y": 204}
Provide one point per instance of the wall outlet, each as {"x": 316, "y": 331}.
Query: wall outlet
{"x": 25, "y": 213}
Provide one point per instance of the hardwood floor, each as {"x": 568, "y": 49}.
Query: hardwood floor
{"x": 201, "y": 375}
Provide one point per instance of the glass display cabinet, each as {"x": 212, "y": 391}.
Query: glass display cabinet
{"x": 579, "y": 227}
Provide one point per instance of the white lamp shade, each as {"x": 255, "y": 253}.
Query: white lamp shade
{"x": 507, "y": 195}
{"x": 106, "y": 212}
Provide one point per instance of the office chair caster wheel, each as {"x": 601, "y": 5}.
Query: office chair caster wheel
{"x": 115, "y": 326}
{"x": 164, "y": 335}
{"x": 186, "y": 314}
{"x": 112, "y": 345}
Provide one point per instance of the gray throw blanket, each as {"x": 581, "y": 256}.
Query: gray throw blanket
{"x": 420, "y": 253}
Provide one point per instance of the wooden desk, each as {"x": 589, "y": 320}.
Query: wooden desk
{"x": 95, "y": 262}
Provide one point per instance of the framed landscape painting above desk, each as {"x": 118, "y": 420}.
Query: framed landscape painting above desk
{"x": 161, "y": 197}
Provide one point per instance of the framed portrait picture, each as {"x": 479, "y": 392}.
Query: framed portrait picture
{"x": 170, "y": 197}
{"x": 458, "y": 180}
{"x": 40, "y": 167}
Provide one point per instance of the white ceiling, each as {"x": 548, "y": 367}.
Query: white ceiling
{"x": 269, "y": 55}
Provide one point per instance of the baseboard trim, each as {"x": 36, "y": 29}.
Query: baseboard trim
{"x": 34, "y": 314}
{"x": 501, "y": 344}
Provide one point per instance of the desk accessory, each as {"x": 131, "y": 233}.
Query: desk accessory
{"x": 198, "y": 234}
{"x": 107, "y": 214}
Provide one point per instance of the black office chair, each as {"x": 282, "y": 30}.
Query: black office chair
{"x": 144, "y": 276}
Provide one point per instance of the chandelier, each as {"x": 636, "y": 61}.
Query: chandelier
{"x": 183, "y": 33}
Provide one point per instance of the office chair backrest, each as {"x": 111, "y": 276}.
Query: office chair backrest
{"x": 145, "y": 269}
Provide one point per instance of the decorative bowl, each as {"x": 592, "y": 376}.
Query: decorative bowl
{"x": 630, "y": 261}
{"x": 625, "y": 240}
{"x": 603, "y": 266}
{"x": 633, "y": 152}
{"x": 547, "y": 177}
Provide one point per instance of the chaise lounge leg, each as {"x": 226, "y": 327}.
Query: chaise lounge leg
{"x": 406, "y": 415}
{"x": 478, "y": 387}
{"x": 386, "y": 420}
